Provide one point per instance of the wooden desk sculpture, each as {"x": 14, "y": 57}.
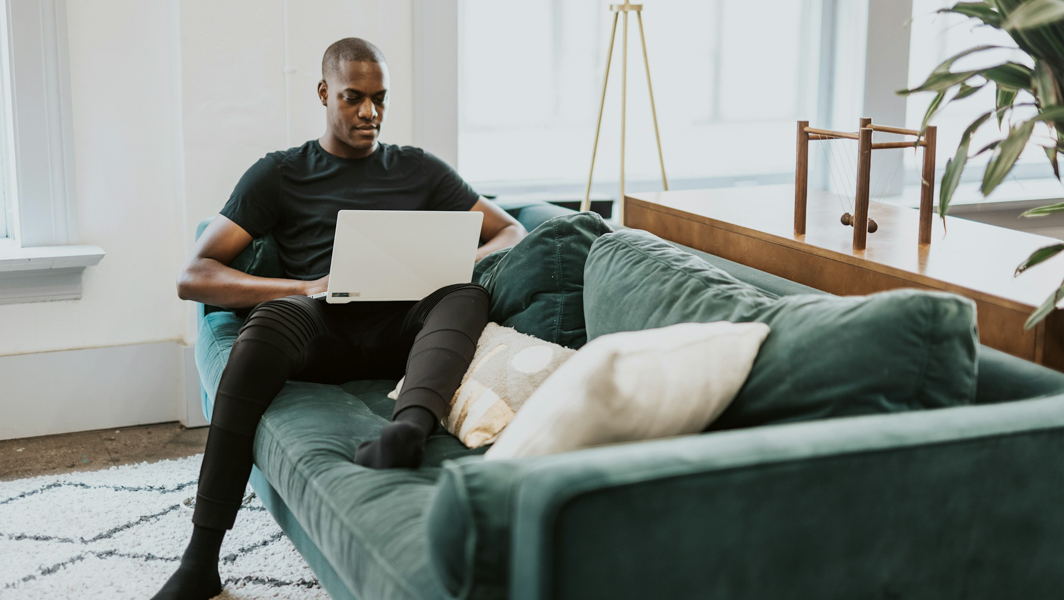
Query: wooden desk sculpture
{"x": 859, "y": 220}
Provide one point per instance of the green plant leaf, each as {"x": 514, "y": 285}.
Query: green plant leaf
{"x": 1045, "y": 88}
{"x": 1034, "y": 13}
{"x": 977, "y": 10}
{"x": 1038, "y": 256}
{"x": 955, "y": 166}
{"x": 1009, "y": 75}
{"x": 1042, "y": 211}
{"x": 940, "y": 82}
{"x": 946, "y": 65}
{"x": 941, "y": 79}
{"x": 1051, "y": 114}
{"x": 1051, "y": 153}
{"x": 1044, "y": 310}
{"x": 931, "y": 110}
{"x": 966, "y": 90}
{"x": 1005, "y": 156}
{"x": 1005, "y": 98}
{"x": 986, "y": 148}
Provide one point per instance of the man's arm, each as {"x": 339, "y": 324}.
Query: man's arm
{"x": 499, "y": 230}
{"x": 207, "y": 278}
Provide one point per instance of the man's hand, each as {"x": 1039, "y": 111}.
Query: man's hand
{"x": 316, "y": 286}
{"x": 207, "y": 277}
{"x": 499, "y": 230}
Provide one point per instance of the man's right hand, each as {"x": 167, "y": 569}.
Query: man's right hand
{"x": 207, "y": 277}
{"x": 317, "y": 286}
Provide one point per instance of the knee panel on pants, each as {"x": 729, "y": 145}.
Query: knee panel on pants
{"x": 288, "y": 324}
{"x": 462, "y": 307}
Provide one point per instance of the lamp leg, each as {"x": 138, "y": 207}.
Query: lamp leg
{"x": 586, "y": 204}
{"x": 650, "y": 88}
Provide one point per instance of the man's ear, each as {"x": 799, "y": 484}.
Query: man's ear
{"x": 323, "y": 92}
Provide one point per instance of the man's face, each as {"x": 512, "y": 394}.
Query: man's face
{"x": 355, "y": 95}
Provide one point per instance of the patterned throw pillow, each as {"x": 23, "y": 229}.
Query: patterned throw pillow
{"x": 507, "y": 367}
{"x": 635, "y": 385}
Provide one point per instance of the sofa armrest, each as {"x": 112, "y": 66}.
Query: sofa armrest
{"x": 929, "y": 504}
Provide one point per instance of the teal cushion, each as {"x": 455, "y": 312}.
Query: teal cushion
{"x": 369, "y": 524}
{"x": 532, "y": 213}
{"x": 537, "y": 286}
{"x": 260, "y": 257}
{"x": 826, "y": 356}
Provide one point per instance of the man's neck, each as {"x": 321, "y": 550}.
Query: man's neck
{"x": 338, "y": 148}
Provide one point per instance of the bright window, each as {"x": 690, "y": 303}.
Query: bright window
{"x": 730, "y": 78}
{"x": 937, "y": 37}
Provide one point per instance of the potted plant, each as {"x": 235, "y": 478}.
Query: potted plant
{"x": 1037, "y": 27}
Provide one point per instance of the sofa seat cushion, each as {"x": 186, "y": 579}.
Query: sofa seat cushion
{"x": 826, "y": 356}
{"x": 369, "y": 524}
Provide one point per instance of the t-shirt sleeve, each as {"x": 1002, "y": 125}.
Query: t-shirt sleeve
{"x": 450, "y": 191}
{"x": 255, "y": 203}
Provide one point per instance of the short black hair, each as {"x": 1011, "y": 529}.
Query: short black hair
{"x": 351, "y": 50}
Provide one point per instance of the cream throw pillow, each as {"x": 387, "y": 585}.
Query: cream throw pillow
{"x": 506, "y": 368}
{"x": 636, "y": 385}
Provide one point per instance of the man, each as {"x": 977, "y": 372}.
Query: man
{"x": 295, "y": 195}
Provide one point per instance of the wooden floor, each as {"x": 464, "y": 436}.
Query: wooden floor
{"x": 93, "y": 450}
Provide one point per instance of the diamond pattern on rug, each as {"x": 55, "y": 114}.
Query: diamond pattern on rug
{"x": 119, "y": 533}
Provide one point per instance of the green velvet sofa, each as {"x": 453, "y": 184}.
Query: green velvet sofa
{"x": 963, "y": 502}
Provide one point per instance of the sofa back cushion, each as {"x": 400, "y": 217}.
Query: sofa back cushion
{"x": 259, "y": 258}
{"x": 826, "y": 356}
{"x": 1002, "y": 377}
{"x": 537, "y": 287}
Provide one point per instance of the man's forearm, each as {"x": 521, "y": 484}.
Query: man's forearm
{"x": 210, "y": 282}
{"x": 507, "y": 236}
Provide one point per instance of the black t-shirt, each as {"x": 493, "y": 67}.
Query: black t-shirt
{"x": 295, "y": 195}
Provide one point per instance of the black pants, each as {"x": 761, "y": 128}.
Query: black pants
{"x": 432, "y": 341}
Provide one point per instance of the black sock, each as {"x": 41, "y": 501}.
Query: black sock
{"x": 402, "y": 442}
{"x": 197, "y": 576}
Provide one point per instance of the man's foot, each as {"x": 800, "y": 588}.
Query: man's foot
{"x": 197, "y": 577}
{"x": 402, "y": 442}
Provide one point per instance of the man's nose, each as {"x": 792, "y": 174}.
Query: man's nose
{"x": 367, "y": 110}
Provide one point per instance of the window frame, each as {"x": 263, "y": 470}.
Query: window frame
{"x": 835, "y": 41}
{"x": 852, "y": 45}
{"x": 41, "y": 258}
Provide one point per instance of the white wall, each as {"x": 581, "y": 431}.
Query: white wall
{"x": 125, "y": 156}
{"x": 172, "y": 101}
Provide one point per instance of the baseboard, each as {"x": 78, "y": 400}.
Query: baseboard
{"x": 98, "y": 388}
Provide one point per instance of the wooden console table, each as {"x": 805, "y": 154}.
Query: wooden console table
{"x": 754, "y": 226}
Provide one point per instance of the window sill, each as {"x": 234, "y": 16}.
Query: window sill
{"x": 43, "y": 273}
{"x": 1014, "y": 194}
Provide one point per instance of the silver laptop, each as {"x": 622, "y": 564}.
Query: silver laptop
{"x": 383, "y": 255}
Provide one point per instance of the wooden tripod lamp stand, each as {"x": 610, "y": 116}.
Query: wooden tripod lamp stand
{"x": 617, "y": 9}
{"x": 859, "y": 220}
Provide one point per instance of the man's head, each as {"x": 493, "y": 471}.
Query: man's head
{"x": 354, "y": 90}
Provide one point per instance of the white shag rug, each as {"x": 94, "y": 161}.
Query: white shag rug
{"x": 119, "y": 534}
